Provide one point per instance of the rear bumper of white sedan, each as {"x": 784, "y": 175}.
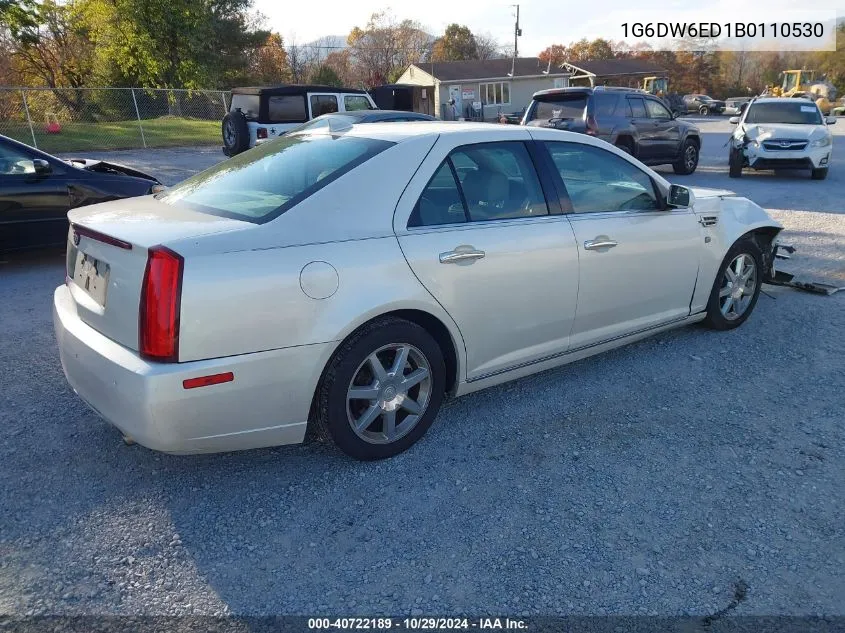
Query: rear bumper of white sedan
{"x": 265, "y": 404}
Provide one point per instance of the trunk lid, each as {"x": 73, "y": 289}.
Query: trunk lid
{"x": 107, "y": 253}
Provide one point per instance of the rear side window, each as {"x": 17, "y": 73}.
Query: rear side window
{"x": 248, "y": 104}
{"x": 479, "y": 183}
{"x": 637, "y": 107}
{"x": 561, "y": 106}
{"x": 287, "y": 109}
{"x": 356, "y": 102}
{"x": 604, "y": 103}
{"x": 264, "y": 182}
{"x": 323, "y": 104}
{"x": 598, "y": 181}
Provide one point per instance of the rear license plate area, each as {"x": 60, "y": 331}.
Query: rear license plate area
{"x": 92, "y": 275}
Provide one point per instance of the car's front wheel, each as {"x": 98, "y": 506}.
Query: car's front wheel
{"x": 737, "y": 286}
{"x": 382, "y": 389}
{"x": 819, "y": 174}
{"x": 704, "y": 110}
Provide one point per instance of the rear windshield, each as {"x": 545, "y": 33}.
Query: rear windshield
{"x": 266, "y": 181}
{"x": 798, "y": 112}
{"x": 559, "y": 107}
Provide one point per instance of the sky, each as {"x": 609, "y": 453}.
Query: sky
{"x": 543, "y": 22}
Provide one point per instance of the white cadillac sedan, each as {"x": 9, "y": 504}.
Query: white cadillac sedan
{"x": 349, "y": 280}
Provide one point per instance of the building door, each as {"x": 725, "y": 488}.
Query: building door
{"x": 455, "y": 93}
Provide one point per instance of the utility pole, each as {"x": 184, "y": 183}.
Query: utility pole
{"x": 517, "y": 32}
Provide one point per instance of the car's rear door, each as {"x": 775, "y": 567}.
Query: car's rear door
{"x": 638, "y": 259}
{"x": 486, "y": 238}
{"x": 646, "y": 129}
{"x": 666, "y": 130}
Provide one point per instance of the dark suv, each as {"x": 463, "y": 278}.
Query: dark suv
{"x": 634, "y": 121}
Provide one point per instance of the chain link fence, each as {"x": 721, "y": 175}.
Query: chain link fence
{"x": 85, "y": 119}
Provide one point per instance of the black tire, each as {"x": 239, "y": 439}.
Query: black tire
{"x": 688, "y": 161}
{"x": 735, "y": 163}
{"x": 715, "y": 319}
{"x": 626, "y": 145}
{"x": 332, "y": 417}
{"x": 235, "y": 133}
{"x": 819, "y": 174}
{"x": 704, "y": 111}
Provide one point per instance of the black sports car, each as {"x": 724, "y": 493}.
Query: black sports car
{"x": 37, "y": 190}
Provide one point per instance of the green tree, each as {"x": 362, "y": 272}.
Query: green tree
{"x": 385, "y": 47}
{"x": 457, "y": 43}
{"x": 172, "y": 43}
{"x": 326, "y": 76}
{"x": 19, "y": 18}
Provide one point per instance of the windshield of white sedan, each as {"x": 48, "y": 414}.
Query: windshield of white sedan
{"x": 799, "y": 112}
{"x": 266, "y": 181}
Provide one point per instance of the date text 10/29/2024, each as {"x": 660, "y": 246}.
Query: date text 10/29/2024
{"x": 417, "y": 624}
{"x": 783, "y": 30}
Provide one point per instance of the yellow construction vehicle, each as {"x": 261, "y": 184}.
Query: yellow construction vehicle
{"x": 659, "y": 86}
{"x": 803, "y": 83}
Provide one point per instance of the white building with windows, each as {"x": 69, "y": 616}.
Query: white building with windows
{"x": 485, "y": 88}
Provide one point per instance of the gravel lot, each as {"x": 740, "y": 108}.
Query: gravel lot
{"x": 651, "y": 480}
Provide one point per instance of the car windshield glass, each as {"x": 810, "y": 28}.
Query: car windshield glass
{"x": 785, "y": 112}
{"x": 705, "y": 98}
{"x": 559, "y": 107}
{"x": 266, "y": 181}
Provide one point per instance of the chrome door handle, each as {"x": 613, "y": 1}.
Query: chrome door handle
{"x": 599, "y": 242}
{"x": 462, "y": 255}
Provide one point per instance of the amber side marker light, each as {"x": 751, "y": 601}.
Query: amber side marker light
{"x": 206, "y": 381}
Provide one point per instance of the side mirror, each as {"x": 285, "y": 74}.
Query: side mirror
{"x": 42, "y": 167}
{"x": 831, "y": 120}
{"x": 680, "y": 197}
{"x": 734, "y": 120}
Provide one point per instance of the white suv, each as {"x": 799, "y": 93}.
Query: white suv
{"x": 781, "y": 133}
{"x": 256, "y": 114}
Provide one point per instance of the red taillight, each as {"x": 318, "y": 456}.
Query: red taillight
{"x": 592, "y": 125}
{"x": 261, "y": 132}
{"x": 161, "y": 292}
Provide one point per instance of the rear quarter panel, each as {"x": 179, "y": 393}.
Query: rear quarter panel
{"x": 249, "y": 301}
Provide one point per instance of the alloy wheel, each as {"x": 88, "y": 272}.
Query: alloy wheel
{"x": 389, "y": 393}
{"x": 738, "y": 286}
{"x": 690, "y": 157}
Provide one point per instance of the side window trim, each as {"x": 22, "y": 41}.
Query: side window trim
{"x": 460, "y": 187}
{"x": 557, "y": 198}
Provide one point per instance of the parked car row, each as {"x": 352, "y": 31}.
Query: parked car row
{"x": 330, "y": 280}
